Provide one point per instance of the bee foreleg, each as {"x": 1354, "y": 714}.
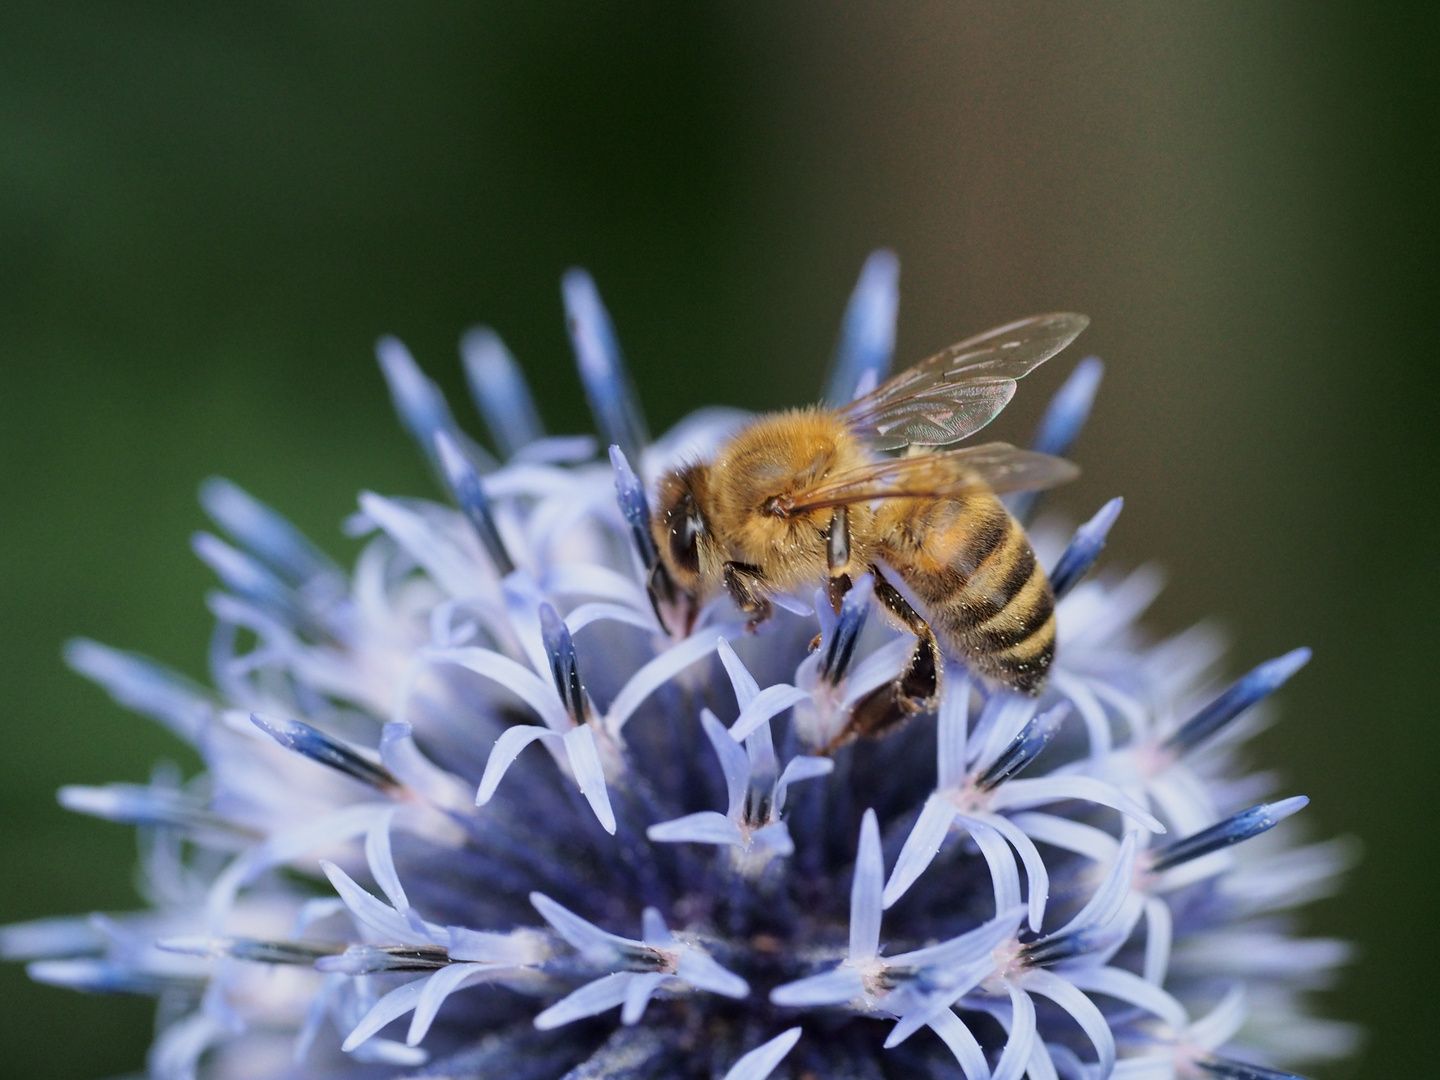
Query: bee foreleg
{"x": 837, "y": 556}
{"x": 674, "y": 607}
{"x": 918, "y": 686}
{"x": 742, "y": 583}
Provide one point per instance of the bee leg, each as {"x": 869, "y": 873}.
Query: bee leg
{"x": 741, "y": 582}
{"x": 674, "y": 607}
{"x": 837, "y": 556}
{"x": 918, "y": 687}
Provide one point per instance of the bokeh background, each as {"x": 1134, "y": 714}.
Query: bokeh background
{"x": 208, "y": 216}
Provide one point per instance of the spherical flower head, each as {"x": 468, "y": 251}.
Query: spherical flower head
{"x": 503, "y": 801}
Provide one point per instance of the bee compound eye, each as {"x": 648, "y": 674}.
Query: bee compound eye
{"x": 685, "y": 529}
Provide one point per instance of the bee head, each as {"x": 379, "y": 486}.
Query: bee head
{"x": 680, "y": 526}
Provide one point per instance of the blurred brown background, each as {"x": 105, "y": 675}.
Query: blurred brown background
{"x": 206, "y": 218}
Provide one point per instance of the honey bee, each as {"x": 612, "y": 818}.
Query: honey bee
{"x": 805, "y": 498}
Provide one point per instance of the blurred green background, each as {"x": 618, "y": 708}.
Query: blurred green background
{"x": 208, "y": 216}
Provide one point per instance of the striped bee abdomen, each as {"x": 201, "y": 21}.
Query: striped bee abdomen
{"x": 972, "y": 566}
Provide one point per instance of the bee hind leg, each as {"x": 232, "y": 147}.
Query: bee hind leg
{"x": 918, "y": 687}
{"x": 742, "y": 582}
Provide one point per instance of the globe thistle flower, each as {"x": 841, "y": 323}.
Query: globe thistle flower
{"x": 378, "y": 875}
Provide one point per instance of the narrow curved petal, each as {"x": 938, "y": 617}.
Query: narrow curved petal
{"x": 1128, "y": 987}
{"x": 955, "y": 983}
{"x": 962, "y": 1044}
{"x": 1042, "y": 1065}
{"x": 407, "y": 764}
{"x": 865, "y": 892}
{"x": 705, "y": 827}
{"x": 734, "y": 761}
{"x": 381, "y": 918}
{"x": 1097, "y": 724}
{"x": 966, "y": 949}
{"x": 600, "y": 582}
{"x": 701, "y": 971}
{"x": 759, "y": 1063}
{"x": 1036, "y": 876}
{"x": 638, "y": 992}
{"x": 144, "y": 686}
{"x": 1025, "y": 794}
{"x": 1081, "y": 1008}
{"x": 1073, "y": 836}
{"x": 517, "y": 678}
{"x": 951, "y": 725}
{"x": 1105, "y": 904}
{"x": 1003, "y": 876}
{"x": 593, "y": 998}
{"x": 382, "y": 863}
{"x": 1159, "y": 932}
{"x": 503, "y": 754}
{"x": 774, "y": 839}
{"x": 921, "y": 846}
{"x": 769, "y": 703}
{"x": 653, "y": 929}
{"x": 586, "y": 614}
{"x": 437, "y": 988}
{"x": 582, "y": 934}
{"x": 741, "y": 681}
{"x": 658, "y": 672}
{"x": 800, "y": 768}
{"x": 835, "y": 987}
{"x": 1220, "y": 1024}
{"x": 589, "y": 773}
{"x": 456, "y": 572}
{"x": 1016, "y": 1054}
{"x": 500, "y": 390}
{"x": 336, "y": 827}
{"x": 393, "y": 1005}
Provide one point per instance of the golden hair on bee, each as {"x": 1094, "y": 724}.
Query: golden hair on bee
{"x": 805, "y": 498}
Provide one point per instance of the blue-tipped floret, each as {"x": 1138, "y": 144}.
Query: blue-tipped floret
{"x": 1238, "y": 1070}
{"x": 465, "y": 485}
{"x": 602, "y": 369}
{"x": 1025, "y": 747}
{"x": 420, "y": 404}
{"x": 1062, "y": 423}
{"x": 1245, "y": 692}
{"x": 500, "y": 391}
{"x": 1084, "y": 548}
{"x": 244, "y": 576}
{"x": 370, "y": 959}
{"x": 1233, "y": 830}
{"x": 563, "y": 665}
{"x": 630, "y": 493}
{"x": 854, "y": 610}
{"x": 1057, "y": 948}
{"x": 251, "y": 580}
{"x": 253, "y": 525}
{"x": 867, "y": 336}
{"x": 303, "y": 953}
{"x": 1069, "y": 409}
{"x": 317, "y": 746}
{"x": 140, "y": 804}
{"x": 105, "y": 977}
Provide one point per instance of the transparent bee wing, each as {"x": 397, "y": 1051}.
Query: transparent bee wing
{"x": 997, "y": 467}
{"x": 956, "y": 392}
{"x": 1004, "y": 468}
